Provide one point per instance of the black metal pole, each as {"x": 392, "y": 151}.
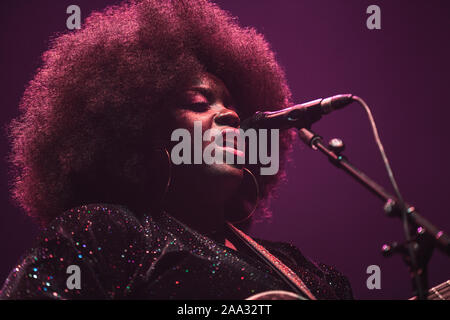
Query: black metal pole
{"x": 437, "y": 237}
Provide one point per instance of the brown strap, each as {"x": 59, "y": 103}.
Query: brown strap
{"x": 275, "y": 262}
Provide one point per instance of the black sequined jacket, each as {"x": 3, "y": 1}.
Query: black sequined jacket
{"x": 120, "y": 257}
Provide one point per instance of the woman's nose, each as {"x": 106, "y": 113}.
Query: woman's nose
{"x": 228, "y": 117}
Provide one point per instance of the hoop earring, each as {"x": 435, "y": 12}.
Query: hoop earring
{"x": 245, "y": 201}
{"x": 160, "y": 161}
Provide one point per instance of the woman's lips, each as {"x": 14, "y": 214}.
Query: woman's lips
{"x": 230, "y": 140}
{"x": 234, "y": 151}
{"x": 232, "y": 137}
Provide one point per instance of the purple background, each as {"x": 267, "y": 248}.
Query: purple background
{"x": 401, "y": 71}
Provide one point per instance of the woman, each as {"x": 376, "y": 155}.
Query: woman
{"x": 92, "y": 166}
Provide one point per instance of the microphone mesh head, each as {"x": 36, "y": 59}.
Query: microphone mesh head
{"x": 252, "y": 122}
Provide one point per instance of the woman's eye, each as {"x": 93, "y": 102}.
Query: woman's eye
{"x": 198, "y": 106}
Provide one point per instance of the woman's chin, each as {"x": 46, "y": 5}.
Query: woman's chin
{"x": 232, "y": 171}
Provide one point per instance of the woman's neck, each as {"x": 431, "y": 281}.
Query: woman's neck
{"x": 206, "y": 219}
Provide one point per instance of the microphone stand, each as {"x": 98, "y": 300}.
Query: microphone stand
{"x": 423, "y": 234}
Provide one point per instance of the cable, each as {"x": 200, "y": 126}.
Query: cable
{"x": 404, "y": 212}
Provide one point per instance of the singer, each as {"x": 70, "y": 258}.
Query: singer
{"x": 90, "y": 153}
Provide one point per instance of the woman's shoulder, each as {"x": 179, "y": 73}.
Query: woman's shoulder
{"x": 107, "y": 223}
{"x": 97, "y": 213}
{"x": 105, "y": 242}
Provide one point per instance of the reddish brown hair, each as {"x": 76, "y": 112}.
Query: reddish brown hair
{"x": 102, "y": 92}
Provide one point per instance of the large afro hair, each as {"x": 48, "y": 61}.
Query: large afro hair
{"x": 103, "y": 92}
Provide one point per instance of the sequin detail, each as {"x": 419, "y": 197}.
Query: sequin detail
{"x": 122, "y": 257}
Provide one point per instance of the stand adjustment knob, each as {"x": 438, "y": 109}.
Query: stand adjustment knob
{"x": 336, "y": 145}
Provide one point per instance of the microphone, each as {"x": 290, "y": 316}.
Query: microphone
{"x": 299, "y": 116}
